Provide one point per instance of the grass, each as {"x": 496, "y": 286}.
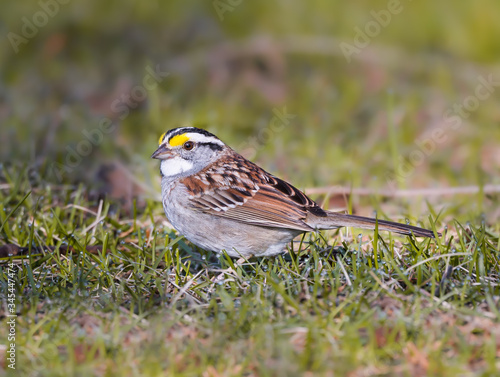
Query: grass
{"x": 103, "y": 286}
{"x": 110, "y": 294}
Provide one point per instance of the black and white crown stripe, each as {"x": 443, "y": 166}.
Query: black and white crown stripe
{"x": 197, "y": 135}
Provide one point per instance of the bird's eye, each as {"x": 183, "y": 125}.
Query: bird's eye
{"x": 188, "y": 145}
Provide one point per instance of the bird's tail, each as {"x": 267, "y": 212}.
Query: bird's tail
{"x": 336, "y": 220}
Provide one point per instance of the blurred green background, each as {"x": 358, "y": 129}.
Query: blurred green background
{"x": 371, "y": 89}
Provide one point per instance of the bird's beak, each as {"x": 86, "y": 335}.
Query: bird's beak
{"x": 162, "y": 153}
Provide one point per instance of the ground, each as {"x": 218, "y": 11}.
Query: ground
{"x": 379, "y": 108}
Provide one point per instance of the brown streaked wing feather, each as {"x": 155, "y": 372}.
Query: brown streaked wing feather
{"x": 221, "y": 200}
{"x": 269, "y": 207}
{"x": 250, "y": 195}
{"x": 295, "y": 195}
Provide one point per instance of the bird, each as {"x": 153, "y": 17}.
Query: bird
{"x": 222, "y": 202}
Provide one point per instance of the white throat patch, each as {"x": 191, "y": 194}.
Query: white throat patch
{"x": 174, "y": 166}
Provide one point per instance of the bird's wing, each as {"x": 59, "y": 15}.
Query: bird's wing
{"x": 250, "y": 195}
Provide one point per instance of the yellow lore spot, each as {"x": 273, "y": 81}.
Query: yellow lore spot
{"x": 178, "y": 140}
{"x": 160, "y": 140}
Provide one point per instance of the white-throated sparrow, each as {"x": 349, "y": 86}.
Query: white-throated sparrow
{"x": 221, "y": 201}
